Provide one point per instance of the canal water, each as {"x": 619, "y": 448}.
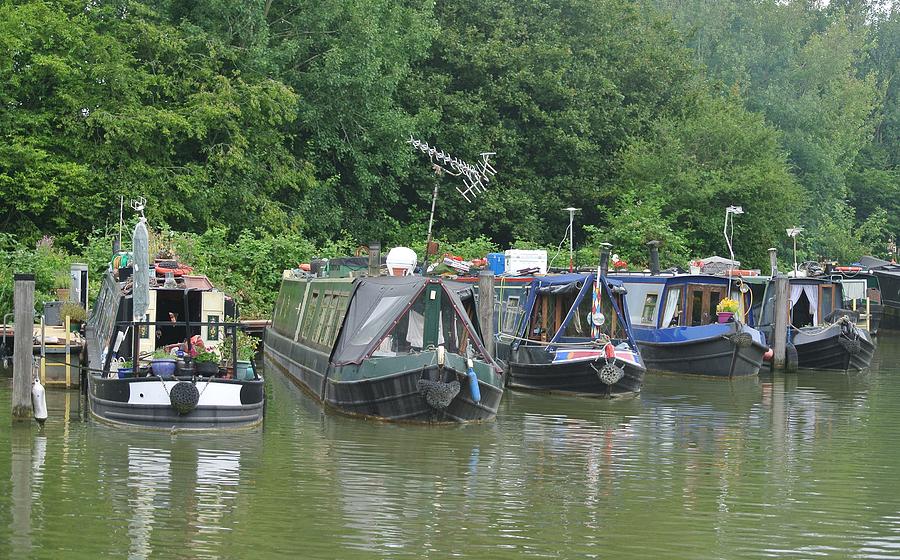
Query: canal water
{"x": 791, "y": 466}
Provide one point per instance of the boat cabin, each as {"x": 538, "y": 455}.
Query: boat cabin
{"x": 559, "y": 309}
{"x": 662, "y": 301}
{"x": 813, "y": 301}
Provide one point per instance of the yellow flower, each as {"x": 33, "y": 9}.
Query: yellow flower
{"x": 727, "y": 305}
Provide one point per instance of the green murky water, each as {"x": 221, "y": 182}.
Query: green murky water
{"x": 795, "y": 466}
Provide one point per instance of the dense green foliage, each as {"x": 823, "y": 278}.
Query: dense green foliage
{"x": 267, "y": 131}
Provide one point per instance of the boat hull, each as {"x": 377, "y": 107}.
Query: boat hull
{"x": 144, "y": 402}
{"x": 828, "y": 349}
{"x": 394, "y": 396}
{"x": 729, "y": 350}
{"x": 530, "y": 369}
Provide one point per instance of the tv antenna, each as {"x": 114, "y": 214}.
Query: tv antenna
{"x": 475, "y": 178}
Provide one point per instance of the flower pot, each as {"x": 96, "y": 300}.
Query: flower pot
{"x": 206, "y": 368}
{"x": 725, "y": 316}
{"x": 125, "y": 372}
{"x": 163, "y": 367}
{"x": 74, "y": 327}
{"x": 244, "y": 371}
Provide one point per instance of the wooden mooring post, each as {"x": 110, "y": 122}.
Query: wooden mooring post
{"x": 779, "y": 337}
{"x": 486, "y": 308}
{"x": 23, "y": 306}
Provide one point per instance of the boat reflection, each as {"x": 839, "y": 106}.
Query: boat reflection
{"x": 175, "y": 492}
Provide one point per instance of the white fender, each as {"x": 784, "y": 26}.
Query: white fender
{"x": 39, "y": 401}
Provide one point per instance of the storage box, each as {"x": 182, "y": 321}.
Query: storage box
{"x": 497, "y": 262}
{"x": 520, "y": 259}
{"x": 52, "y": 313}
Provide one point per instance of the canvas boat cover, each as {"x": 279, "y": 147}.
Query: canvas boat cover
{"x": 581, "y": 284}
{"x": 379, "y": 303}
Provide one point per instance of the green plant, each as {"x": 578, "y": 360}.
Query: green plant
{"x": 246, "y": 346}
{"x": 74, "y": 311}
{"x": 125, "y": 365}
{"x": 160, "y": 354}
{"x": 210, "y": 356}
{"x": 61, "y": 280}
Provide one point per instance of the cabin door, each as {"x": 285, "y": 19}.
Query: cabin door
{"x": 213, "y": 312}
{"x": 701, "y": 304}
{"x": 146, "y": 332}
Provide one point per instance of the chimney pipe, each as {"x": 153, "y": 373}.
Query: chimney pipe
{"x": 605, "y": 249}
{"x": 773, "y": 260}
{"x": 654, "y": 257}
{"x": 374, "y": 258}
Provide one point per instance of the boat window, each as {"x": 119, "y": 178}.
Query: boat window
{"x": 854, "y": 289}
{"x": 330, "y": 317}
{"x": 310, "y": 316}
{"x": 649, "y": 312}
{"x": 377, "y": 320}
{"x": 826, "y": 300}
{"x": 714, "y": 298}
{"x": 696, "y": 303}
{"x": 579, "y": 326}
{"x": 511, "y": 314}
{"x": 672, "y": 312}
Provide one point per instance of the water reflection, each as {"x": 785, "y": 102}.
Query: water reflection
{"x": 795, "y": 465}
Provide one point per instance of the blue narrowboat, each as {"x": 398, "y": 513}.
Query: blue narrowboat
{"x": 566, "y": 333}
{"x": 677, "y": 329}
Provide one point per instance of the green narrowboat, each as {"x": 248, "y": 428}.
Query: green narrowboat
{"x": 400, "y": 348}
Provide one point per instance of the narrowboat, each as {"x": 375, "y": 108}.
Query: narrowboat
{"x": 888, "y": 275}
{"x": 861, "y": 292}
{"x": 566, "y": 333}
{"x": 399, "y": 348}
{"x": 162, "y": 311}
{"x": 824, "y": 335}
{"x": 677, "y": 329}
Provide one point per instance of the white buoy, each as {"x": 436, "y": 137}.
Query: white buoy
{"x": 39, "y": 401}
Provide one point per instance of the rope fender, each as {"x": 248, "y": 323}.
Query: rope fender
{"x": 184, "y": 397}
{"x": 438, "y": 394}
{"x": 742, "y": 339}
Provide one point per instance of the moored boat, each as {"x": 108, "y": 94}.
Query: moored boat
{"x": 400, "y": 348}
{"x": 567, "y": 333}
{"x": 824, "y": 335}
{"x": 184, "y": 321}
{"x": 677, "y": 330}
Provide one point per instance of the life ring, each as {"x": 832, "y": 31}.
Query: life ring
{"x": 180, "y": 271}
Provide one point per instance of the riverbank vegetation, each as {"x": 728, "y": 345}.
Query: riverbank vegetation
{"x": 265, "y": 132}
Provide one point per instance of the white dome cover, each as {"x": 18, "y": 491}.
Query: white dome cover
{"x": 401, "y": 261}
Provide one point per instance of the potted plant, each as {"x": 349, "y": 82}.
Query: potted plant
{"x": 62, "y": 282}
{"x": 125, "y": 369}
{"x": 206, "y": 363}
{"x": 246, "y": 349}
{"x": 163, "y": 364}
{"x": 726, "y": 310}
{"x": 76, "y": 314}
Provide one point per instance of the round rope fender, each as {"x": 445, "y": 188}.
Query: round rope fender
{"x": 610, "y": 374}
{"x": 852, "y": 345}
{"x": 184, "y": 397}
{"x": 438, "y": 394}
{"x": 742, "y": 340}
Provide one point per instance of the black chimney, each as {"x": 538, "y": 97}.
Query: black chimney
{"x": 374, "y": 258}
{"x": 654, "y": 257}
{"x": 605, "y": 249}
